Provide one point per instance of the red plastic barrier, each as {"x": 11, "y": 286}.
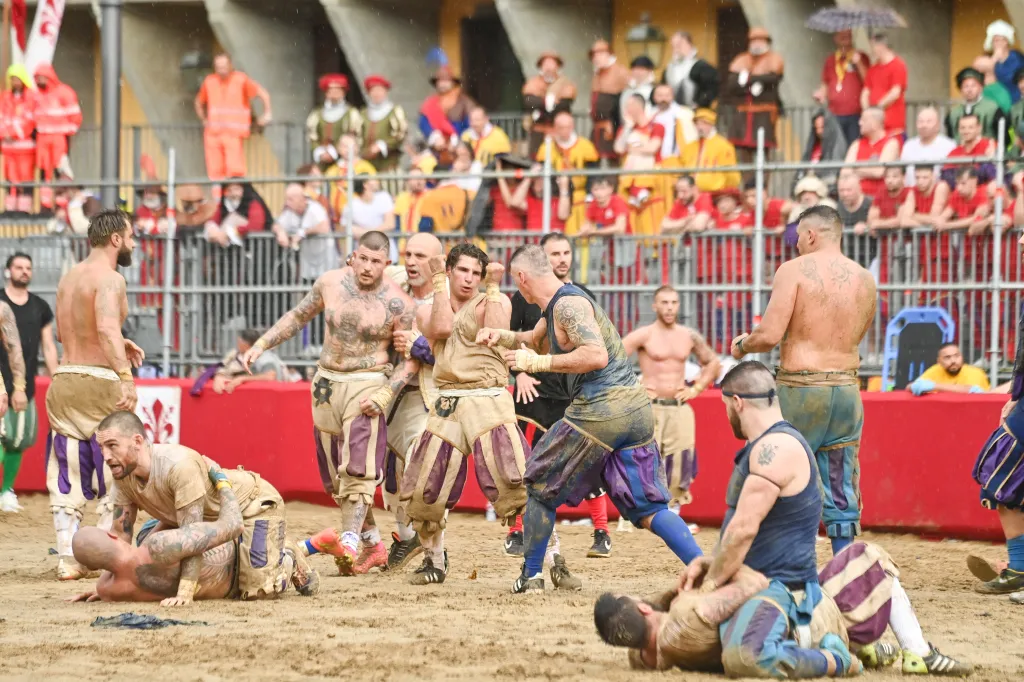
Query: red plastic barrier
{"x": 916, "y": 456}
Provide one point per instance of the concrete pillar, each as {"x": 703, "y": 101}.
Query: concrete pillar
{"x": 803, "y": 50}
{"x": 155, "y": 38}
{"x": 276, "y": 50}
{"x": 569, "y": 28}
{"x": 390, "y": 37}
{"x": 924, "y": 45}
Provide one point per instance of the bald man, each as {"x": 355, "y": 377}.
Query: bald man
{"x": 821, "y": 306}
{"x": 303, "y": 218}
{"x": 408, "y": 416}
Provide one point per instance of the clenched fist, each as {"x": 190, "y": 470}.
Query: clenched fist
{"x": 436, "y": 265}
{"x": 495, "y": 273}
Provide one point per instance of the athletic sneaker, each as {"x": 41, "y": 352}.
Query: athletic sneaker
{"x": 561, "y": 578}
{"x": 327, "y": 541}
{"x": 489, "y": 514}
{"x": 1008, "y": 581}
{"x": 371, "y": 557}
{"x": 345, "y": 560}
{"x": 525, "y": 583}
{"x": 851, "y": 665}
{"x": 514, "y": 543}
{"x": 428, "y": 574}
{"x": 878, "y": 655}
{"x": 602, "y": 547}
{"x": 305, "y": 579}
{"x": 624, "y": 526}
{"x": 9, "y": 503}
{"x": 402, "y": 551}
{"x": 934, "y": 664}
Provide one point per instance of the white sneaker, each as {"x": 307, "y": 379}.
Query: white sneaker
{"x": 624, "y": 526}
{"x": 9, "y": 503}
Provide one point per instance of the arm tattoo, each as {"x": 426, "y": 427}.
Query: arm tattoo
{"x": 766, "y": 454}
{"x": 576, "y": 318}
{"x": 701, "y": 348}
{"x": 124, "y": 521}
{"x": 190, "y": 567}
{"x": 295, "y": 319}
{"x": 12, "y": 342}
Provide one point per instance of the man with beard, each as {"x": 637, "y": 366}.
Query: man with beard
{"x": 664, "y": 348}
{"x": 93, "y": 380}
{"x": 181, "y": 489}
{"x": 353, "y": 389}
{"x": 34, "y": 321}
{"x": 950, "y": 375}
{"x": 544, "y": 95}
{"x": 821, "y": 306}
{"x": 541, "y": 401}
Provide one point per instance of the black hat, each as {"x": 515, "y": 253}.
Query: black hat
{"x": 642, "y": 62}
{"x": 969, "y": 72}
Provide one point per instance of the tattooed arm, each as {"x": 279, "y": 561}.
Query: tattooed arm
{"x": 575, "y": 316}
{"x": 12, "y": 343}
{"x": 779, "y": 312}
{"x": 292, "y": 322}
{"x": 720, "y": 605}
{"x": 403, "y": 322}
{"x": 188, "y": 581}
{"x": 124, "y": 521}
{"x": 180, "y": 544}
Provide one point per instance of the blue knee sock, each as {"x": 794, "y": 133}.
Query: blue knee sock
{"x": 538, "y": 522}
{"x": 672, "y": 529}
{"x": 311, "y": 549}
{"x": 1015, "y": 547}
{"x": 839, "y": 544}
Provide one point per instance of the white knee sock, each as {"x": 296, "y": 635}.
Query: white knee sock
{"x": 371, "y": 537}
{"x": 433, "y": 547}
{"x": 405, "y": 530}
{"x": 904, "y": 622}
{"x": 65, "y": 522}
{"x": 554, "y": 547}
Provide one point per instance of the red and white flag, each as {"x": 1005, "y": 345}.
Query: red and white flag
{"x": 19, "y": 14}
{"x": 42, "y": 41}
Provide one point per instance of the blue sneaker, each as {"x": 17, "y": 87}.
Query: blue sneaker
{"x": 847, "y": 664}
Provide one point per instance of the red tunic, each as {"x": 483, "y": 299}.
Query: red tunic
{"x": 535, "y": 214}
{"x": 871, "y": 151}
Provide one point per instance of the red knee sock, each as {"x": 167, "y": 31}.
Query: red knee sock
{"x": 599, "y": 512}
{"x": 517, "y": 527}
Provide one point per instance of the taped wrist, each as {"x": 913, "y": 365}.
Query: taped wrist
{"x": 382, "y": 397}
{"x": 507, "y": 339}
{"x": 439, "y": 281}
{"x": 421, "y": 351}
{"x": 124, "y": 375}
{"x": 186, "y": 588}
{"x": 261, "y": 344}
{"x": 530, "y": 362}
{"x": 414, "y": 335}
{"x": 493, "y": 293}
{"x": 225, "y": 484}
{"x": 19, "y": 385}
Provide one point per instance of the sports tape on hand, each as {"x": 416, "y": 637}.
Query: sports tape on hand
{"x": 382, "y": 397}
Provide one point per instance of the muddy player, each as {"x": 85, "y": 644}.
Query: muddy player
{"x": 862, "y": 597}
{"x": 821, "y": 306}
{"x": 93, "y": 379}
{"x": 407, "y": 418}
{"x": 354, "y": 387}
{"x": 153, "y": 570}
{"x": 170, "y": 483}
{"x": 606, "y": 437}
{"x": 664, "y": 348}
{"x": 473, "y": 416}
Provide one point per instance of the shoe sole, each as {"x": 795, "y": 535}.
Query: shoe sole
{"x": 982, "y": 569}
{"x": 514, "y": 554}
{"x": 984, "y": 588}
{"x": 408, "y": 557}
{"x": 599, "y": 555}
{"x": 346, "y": 565}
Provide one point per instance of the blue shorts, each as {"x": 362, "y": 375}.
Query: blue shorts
{"x": 999, "y": 469}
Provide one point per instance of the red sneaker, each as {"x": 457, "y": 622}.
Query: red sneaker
{"x": 327, "y": 541}
{"x": 371, "y": 557}
{"x": 345, "y": 560}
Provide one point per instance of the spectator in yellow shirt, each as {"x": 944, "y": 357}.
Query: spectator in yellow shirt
{"x": 710, "y": 150}
{"x": 950, "y": 375}
{"x": 484, "y": 138}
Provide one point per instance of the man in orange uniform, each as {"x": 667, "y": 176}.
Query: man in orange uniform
{"x": 223, "y": 104}
{"x": 58, "y": 117}
{"x": 17, "y": 123}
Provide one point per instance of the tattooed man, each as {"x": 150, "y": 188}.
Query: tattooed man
{"x": 353, "y": 390}
{"x": 606, "y": 437}
{"x": 155, "y": 570}
{"x": 170, "y": 483}
{"x": 821, "y": 306}
{"x": 473, "y": 414}
{"x": 93, "y": 379}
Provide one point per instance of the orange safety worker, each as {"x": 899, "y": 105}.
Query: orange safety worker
{"x": 17, "y": 123}
{"x": 58, "y": 118}
{"x": 223, "y": 104}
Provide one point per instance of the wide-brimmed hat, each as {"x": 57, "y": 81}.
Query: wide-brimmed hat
{"x": 704, "y": 114}
{"x": 374, "y": 80}
{"x": 999, "y": 28}
{"x": 599, "y": 46}
{"x": 969, "y": 72}
{"x": 329, "y": 80}
{"x": 759, "y": 33}
{"x": 550, "y": 54}
{"x": 811, "y": 183}
{"x": 445, "y": 73}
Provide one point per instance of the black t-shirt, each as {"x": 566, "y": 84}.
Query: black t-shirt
{"x": 525, "y": 316}
{"x": 31, "y": 318}
{"x": 862, "y": 249}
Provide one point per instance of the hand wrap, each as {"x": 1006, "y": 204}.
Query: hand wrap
{"x": 382, "y": 398}
{"x": 439, "y": 281}
{"x": 527, "y": 360}
{"x": 493, "y": 293}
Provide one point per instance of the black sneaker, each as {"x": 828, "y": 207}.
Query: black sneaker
{"x": 525, "y": 583}
{"x": 1008, "y": 581}
{"x": 428, "y": 574}
{"x": 602, "y": 548}
{"x": 403, "y": 551}
{"x": 514, "y": 543}
{"x": 561, "y": 578}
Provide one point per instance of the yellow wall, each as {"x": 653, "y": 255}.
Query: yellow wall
{"x": 452, "y": 14}
{"x": 970, "y": 19}
{"x": 699, "y": 17}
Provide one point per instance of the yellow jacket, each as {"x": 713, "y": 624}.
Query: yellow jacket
{"x": 494, "y": 142}
{"x": 716, "y": 152}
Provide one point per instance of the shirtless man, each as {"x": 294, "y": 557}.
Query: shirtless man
{"x": 606, "y": 437}
{"x": 663, "y": 348}
{"x": 93, "y": 379}
{"x": 170, "y": 483}
{"x": 353, "y": 388}
{"x": 407, "y": 418}
{"x": 821, "y": 306}
{"x": 153, "y": 570}
{"x": 474, "y": 414}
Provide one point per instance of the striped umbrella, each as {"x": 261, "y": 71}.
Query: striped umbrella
{"x": 834, "y": 19}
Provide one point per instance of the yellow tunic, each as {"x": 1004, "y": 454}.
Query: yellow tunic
{"x": 577, "y": 156}
{"x": 715, "y": 152}
{"x": 339, "y": 187}
{"x": 485, "y": 148}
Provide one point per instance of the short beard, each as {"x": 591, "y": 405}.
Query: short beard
{"x": 737, "y": 427}
{"x": 371, "y": 287}
{"x": 954, "y": 372}
{"x": 124, "y": 258}
{"x": 19, "y": 284}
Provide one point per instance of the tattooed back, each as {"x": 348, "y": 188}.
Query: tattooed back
{"x": 833, "y": 305}
{"x": 361, "y": 322}
{"x": 90, "y": 297}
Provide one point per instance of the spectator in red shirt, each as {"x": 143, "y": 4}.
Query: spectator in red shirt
{"x": 729, "y": 213}
{"x": 505, "y": 219}
{"x": 875, "y": 144}
{"x": 926, "y": 200}
{"x": 972, "y": 144}
{"x": 691, "y": 210}
{"x": 968, "y": 206}
{"x": 842, "y": 80}
{"x": 885, "y": 86}
{"x": 607, "y": 214}
{"x": 528, "y": 199}
{"x": 886, "y": 205}
{"x": 776, "y": 210}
